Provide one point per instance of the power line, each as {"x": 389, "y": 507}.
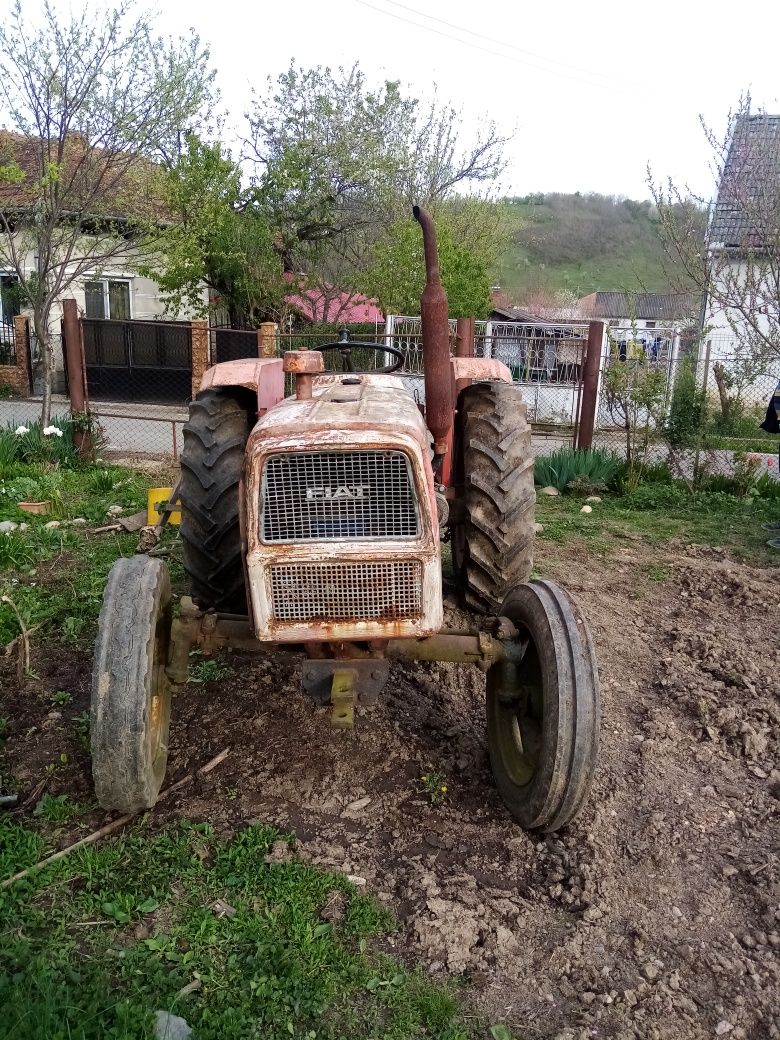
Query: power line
{"x": 508, "y": 46}
{"x": 624, "y": 87}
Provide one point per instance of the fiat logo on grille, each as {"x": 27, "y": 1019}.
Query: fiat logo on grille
{"x": 342, "y": 491}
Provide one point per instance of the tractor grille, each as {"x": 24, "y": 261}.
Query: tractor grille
{"x": 327, "y": 496}
{"x": 376, "y": 591}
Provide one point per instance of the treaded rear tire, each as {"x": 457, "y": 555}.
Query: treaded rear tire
{"x": 492, "y": 542}
{"x": 131, "y": 696}
{"x": 212, "y": 461}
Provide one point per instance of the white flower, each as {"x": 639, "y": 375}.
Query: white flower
{"x": 48, "y": 431}
{"x": 21, "y": 430}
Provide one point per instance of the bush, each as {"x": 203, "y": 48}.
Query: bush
{"x": 686, "y": 409}
{"x": 585, "y": 469}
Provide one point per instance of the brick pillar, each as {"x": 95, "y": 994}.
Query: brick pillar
{"x": 266, "y": 339}
{"x": 21, "y": 341}
{"x": 200, "y": 352}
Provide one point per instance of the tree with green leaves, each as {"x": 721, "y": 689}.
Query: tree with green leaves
{"x": 338, "y": 166}
{"x": 98, "y": 104}
{"x": 395, "y": 272}
{"x": 220, "y": 236}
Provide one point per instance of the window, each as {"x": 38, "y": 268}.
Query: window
{"x": 650, "y": 324}
{"x": 9, "y": 298}
{"x": 107, "y": 298}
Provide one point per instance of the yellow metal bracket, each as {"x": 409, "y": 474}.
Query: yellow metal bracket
{"x": 342, "y": 699}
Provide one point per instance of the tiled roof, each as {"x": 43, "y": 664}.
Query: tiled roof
{"x": 96, "y": 182}
{"x": 335, "y": 306}
{"x": 749, "y": 189}
{"x": 642, "y": 306}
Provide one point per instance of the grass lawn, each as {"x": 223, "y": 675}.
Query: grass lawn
{"x": 662, "y": 513}
{"x": 235, "y": 936}
{"x": 55, "y": 576}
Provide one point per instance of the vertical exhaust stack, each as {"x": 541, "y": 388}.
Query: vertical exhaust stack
{"x": 436, "y": 344}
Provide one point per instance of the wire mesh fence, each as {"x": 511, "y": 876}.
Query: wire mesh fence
{"x": 698, "y": 406}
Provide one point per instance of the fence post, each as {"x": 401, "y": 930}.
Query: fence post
{"x": 22, "y": 352}
{"x": 266, "y": 339}
{"x": 702, "y": 409}
{"x": 590, "y": 383}
{"x": 200, "y": 352}
{"x": 73, "y": 349}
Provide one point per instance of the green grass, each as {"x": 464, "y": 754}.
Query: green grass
{"x": 593, "y": 468}
{"x": 580, "y": 243}
{"x": 660, "y": 513}
{"x": 92, "y": 946}
{"x": 209, "y": 670}
{"x": 58, "y": 808}
{"x": 56, "y": 577}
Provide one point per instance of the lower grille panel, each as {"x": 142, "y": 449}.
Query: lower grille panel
{"x": 389, "y": 590}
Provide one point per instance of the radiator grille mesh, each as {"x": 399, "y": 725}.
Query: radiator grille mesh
{"x": 337, "y": 496}
{"x": 375, "y": 591}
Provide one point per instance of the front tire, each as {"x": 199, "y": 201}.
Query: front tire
{"x": 492, "y": 540}
{"x": 544, "y": 714}
{"x": 131, "y": 694}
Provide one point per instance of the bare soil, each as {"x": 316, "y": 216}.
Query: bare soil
{"x": 657, "y": 914}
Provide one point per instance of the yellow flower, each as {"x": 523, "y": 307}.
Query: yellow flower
{"x": 425, "y": 778}
{"x": 444, "y": 789}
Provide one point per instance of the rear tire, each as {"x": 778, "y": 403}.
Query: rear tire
{"x": 131, "y": 695}
{"x": 212, "y": 462}
{"x": 492, "y": 542}
{"x": 544, "y": 714}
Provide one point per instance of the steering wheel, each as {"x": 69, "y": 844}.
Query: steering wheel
{"x": 344, "y": 345}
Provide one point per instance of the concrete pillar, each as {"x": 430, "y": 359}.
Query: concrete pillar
{"x": 266, "y": 339}
{"x": 200, "y": 352}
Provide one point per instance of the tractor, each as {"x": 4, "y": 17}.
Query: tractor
{"x": 315, "y": 522}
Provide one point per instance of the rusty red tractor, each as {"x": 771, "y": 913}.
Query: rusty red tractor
{"x": 315, "y": 522}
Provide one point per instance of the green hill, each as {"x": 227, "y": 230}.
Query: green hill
{"x": 581, "y": 243}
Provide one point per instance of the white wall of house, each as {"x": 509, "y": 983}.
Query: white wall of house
{"x": 720, "y": 320}
{"x": 123, "y": 289}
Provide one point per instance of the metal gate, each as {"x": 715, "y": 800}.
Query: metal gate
{"x": 138, "y": 360}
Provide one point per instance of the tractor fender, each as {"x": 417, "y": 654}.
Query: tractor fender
{"x": 265, "y": 376}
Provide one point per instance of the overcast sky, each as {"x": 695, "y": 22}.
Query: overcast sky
{"x": 592, "y": 90}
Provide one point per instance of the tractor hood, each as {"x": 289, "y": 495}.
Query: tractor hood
{"x": 377, "y": 405}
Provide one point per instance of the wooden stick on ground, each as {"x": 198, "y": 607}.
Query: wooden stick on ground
{"x": 115, "y": 825}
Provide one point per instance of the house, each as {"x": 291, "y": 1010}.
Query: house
{"x": 640, "y": 310}
{"x": 109, "y": 286}
{"x": 743, "y": 301}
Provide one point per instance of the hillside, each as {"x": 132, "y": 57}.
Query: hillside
{"x": 581, "y": 243}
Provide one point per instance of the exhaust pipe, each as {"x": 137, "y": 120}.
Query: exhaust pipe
{"x": 436, "y": 344}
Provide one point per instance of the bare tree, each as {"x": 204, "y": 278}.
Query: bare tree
{"x": 737, "y": 266}
{"x": 96, "y": 102}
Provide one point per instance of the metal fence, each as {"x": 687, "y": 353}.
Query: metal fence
{"x": 7, "y": 342}
{"x": 658, "y": 393}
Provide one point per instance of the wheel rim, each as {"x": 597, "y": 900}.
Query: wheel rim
{"x": 521, "y": 717}
{"x": 159, "y": 693}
